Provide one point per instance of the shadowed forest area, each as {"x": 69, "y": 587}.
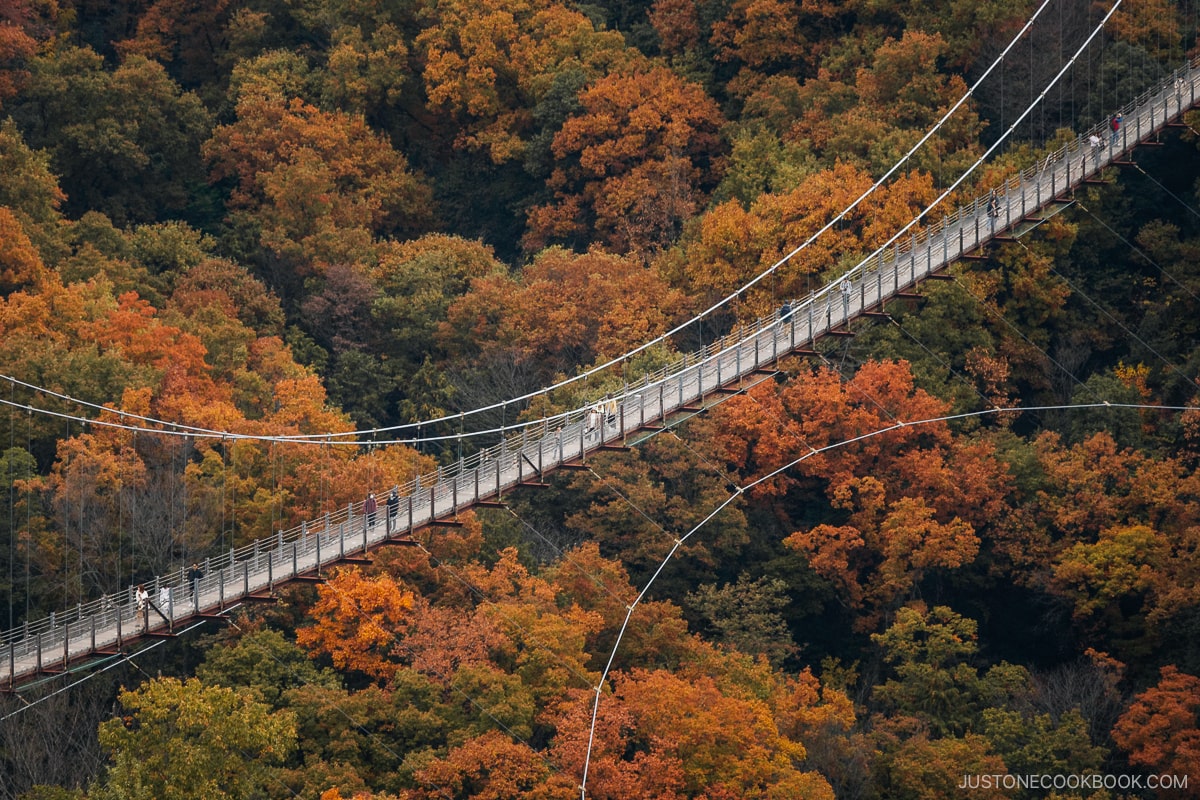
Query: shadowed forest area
{"x": 313, "y": 217}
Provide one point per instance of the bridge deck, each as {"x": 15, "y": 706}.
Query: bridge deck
{"x": 739, "y": 360}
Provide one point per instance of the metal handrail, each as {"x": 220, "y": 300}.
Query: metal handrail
{"x": 731, "y": 357}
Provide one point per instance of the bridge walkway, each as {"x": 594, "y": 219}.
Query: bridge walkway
{"x": 111, "y": 624}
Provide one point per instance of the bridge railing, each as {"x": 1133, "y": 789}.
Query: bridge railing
{"x": 529, "y": 452}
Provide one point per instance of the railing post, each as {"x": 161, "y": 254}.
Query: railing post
{"x": 66, "y": 643}
{"x": 221, "y": 588}
{"x": 245, "y": 580}
{"x": 295, "y": 560}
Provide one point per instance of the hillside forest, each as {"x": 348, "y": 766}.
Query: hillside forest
{"x": 282, "y": 217}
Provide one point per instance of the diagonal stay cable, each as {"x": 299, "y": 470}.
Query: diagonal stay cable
{"x": 565, "y": 555}
{"x": 1138, "y": 250}
{"x": 740, "y": 490}
{"x": 1154, "y": 180}
{"x": 682, "y": 326}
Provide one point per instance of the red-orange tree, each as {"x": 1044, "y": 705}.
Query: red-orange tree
{"x": 637, "y": 161}
{"x": 1161, "y": 730}
{"x": 317, "y": 185}
{"x": 563, "y": 310}
{"x": 489, "y": 64}
{"x": 356, "y": 622}
{"x": 909, "y": 502}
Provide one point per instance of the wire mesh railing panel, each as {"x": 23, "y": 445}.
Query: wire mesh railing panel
{"x": 107, "y": 622}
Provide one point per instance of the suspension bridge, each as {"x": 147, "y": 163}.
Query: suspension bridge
{"x": 750, "y": 354}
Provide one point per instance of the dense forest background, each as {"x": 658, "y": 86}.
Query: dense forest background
{"x": 276, "y": 217}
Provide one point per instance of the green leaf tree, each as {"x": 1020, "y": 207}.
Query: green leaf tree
{"x": 182, "y": 740}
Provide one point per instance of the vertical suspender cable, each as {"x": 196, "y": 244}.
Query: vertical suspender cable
{"x": 120, "y": 518}
{"x": 66, "y": 545}
{"x": 224, "y": 482}
{"x": 28, "y": 511}
{"x": 12, "y": 517}
{"x": 82, "y": 505}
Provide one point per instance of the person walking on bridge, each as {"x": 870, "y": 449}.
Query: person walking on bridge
{"x": 194, "y": 575}
{"x": 393, "y": 509}
{"x": 142, "y": 597}
{"x": 370, "y": 507}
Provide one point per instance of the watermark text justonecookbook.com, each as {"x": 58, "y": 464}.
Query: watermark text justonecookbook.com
{"x": 1048, "y": 782}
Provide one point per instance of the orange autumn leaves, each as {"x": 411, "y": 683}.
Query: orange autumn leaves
{"x": 910, "y": 500}
{"x": 513, "y": 651}
{"x": 564, "y": 309}
{"x": 1161, "y": 729}
{"x": 317, "y": 185}
{"x": 1109, "y": 531}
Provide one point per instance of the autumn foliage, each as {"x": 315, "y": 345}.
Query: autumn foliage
{"x": 248, "y": 250}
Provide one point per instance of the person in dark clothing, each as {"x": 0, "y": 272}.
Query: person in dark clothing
{"x": 393, "y": 508}
{"x": 194, "y": 575}
{"x": 370, "y": 507}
